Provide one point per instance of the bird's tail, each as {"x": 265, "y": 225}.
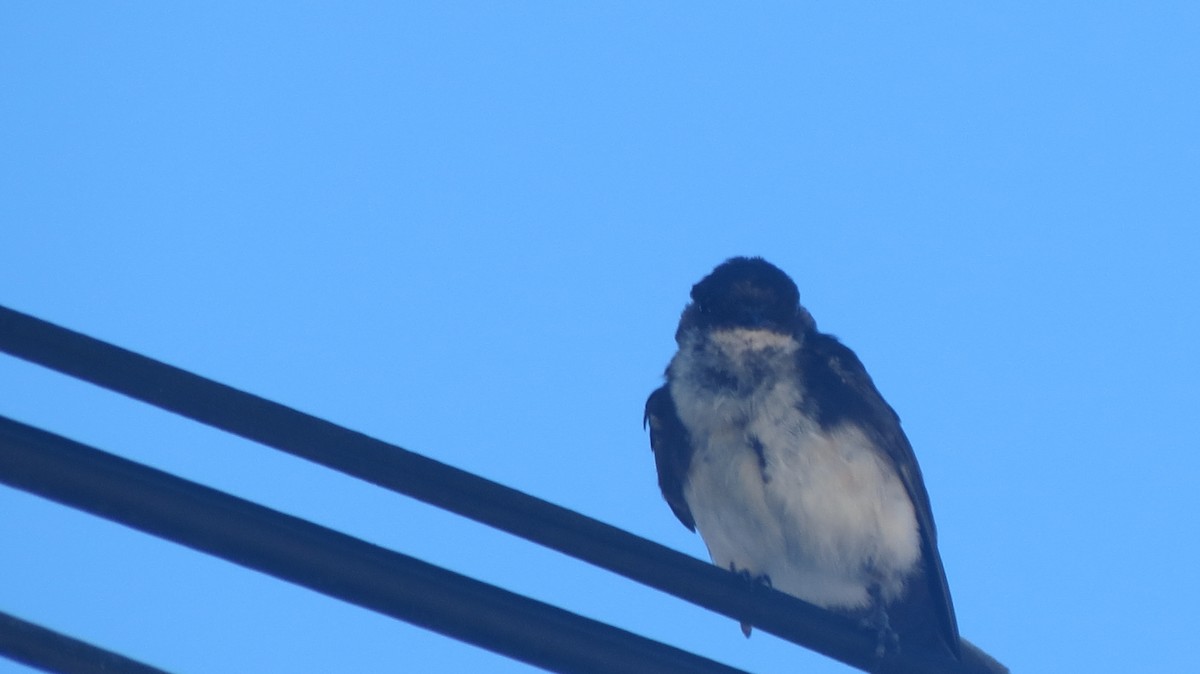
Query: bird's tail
{"x": 975, "y": 660}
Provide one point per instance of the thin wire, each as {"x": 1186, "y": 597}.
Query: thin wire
{"x": 327, "y": 561}
{"x": 452, "y": 489}
{"x": 49, "y": 651}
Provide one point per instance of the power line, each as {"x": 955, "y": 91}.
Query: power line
{"x": 458, "y": 491}
{"x": 36, "y": 646}
{"x": 327, "y": 561}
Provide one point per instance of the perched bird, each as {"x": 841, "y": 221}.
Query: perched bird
{"x": 770, "y": 439}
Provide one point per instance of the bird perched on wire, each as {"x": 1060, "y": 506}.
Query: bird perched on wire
{"x": 771, "y": 439}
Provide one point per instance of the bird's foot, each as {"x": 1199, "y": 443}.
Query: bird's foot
{"x": 755, "y": 581}
{"x": 758, "y": 580}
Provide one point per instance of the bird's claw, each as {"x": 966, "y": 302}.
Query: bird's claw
{"x": 755, "y": 581}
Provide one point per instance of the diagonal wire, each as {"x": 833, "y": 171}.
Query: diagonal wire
{"x": 449, "y": 488}
{"x": 327, "y": 561}
{"x": 49, "y": 651}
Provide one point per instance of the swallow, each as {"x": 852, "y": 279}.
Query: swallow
{"x": 772, "y": 441}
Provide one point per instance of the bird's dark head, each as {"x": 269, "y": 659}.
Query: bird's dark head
{"x": 746, "y": 292}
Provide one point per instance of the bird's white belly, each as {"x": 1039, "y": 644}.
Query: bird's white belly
{"x": 822, "y": 514}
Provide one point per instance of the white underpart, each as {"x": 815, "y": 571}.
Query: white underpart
{"x": 832, "y": 518}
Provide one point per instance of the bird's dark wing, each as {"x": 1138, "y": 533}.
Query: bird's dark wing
{"x": 843, "y": 392}
{"x": 672, "y": 452}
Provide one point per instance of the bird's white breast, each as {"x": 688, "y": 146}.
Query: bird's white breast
{"x": 821, "y": 512}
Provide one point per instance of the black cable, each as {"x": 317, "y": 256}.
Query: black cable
{"x": 450, "y": 488}
{"x": 327, "y": 561}
{"x": 49, "y": 651}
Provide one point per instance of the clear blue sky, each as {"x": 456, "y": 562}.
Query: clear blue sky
{"x": 469, "y": 228}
